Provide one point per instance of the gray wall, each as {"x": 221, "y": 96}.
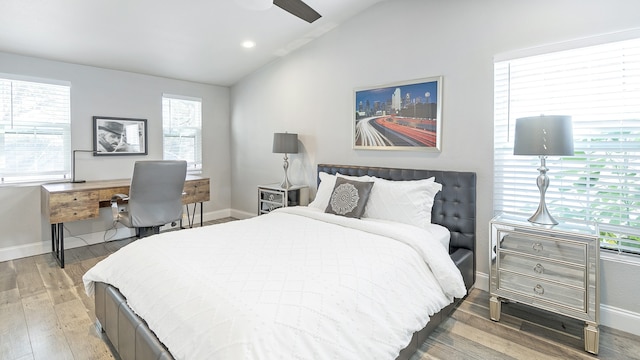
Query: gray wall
{"x": 103, "y": 92}
{"x": 311, "y": 92}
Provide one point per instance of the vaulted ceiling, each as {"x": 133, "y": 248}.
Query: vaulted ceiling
{"x": 195, "y": 40}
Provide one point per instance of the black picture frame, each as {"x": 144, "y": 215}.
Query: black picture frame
{"x": 115, "y": 136}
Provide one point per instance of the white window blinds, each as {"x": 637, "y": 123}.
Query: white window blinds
{"x": 599, "y": 86}
{"x": 182, "y": 130}
{"x": 35, "y": 135}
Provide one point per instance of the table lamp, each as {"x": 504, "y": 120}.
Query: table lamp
{"x": 73, "y": 165}
{"x": 285, "y": 143}
{"x": 543, "y": 136}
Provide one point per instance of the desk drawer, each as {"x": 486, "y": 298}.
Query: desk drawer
{"x": 196, "y": 191}
{"x": 72, "y": 206}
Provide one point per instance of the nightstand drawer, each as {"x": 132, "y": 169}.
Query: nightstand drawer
{"x": 538, "y": 289}
{"x": 272, "y": 197}
{"x": 543, "y": 268}
{"x": 531, "y": 244}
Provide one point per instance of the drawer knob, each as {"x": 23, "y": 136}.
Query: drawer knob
{"x": 537, "y": 247}
{"x": 539, "y": 269}
{"x": 538, "y": 289}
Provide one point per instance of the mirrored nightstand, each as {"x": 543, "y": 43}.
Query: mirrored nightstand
{"x": 272, "y": 196}
{"x": 554, "y": 268}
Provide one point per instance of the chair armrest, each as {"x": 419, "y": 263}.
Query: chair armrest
{"x": 116, "y": 197}
{"x": 114, "y": 204}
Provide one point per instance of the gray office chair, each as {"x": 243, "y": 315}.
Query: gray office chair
{"x": 155, "y": 196}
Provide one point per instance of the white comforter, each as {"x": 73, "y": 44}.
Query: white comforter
{"x": 293, "y": 284}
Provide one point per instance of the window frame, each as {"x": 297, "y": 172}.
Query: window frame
{"x": 16, "y": 124}
{"x": 194, "y": 166}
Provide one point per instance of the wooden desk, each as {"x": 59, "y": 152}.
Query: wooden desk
{"x": 64, "y": 202}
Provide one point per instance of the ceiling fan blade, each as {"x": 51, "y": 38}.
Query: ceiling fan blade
{"x": 299, "y": 9}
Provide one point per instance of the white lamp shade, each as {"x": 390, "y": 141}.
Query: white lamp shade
{"x": 543, "y": 135}
{"x": 285, "y": 143}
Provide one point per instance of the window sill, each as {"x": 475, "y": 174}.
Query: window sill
{"x": 31, "y": 183}
{"x": 622, "y": 258}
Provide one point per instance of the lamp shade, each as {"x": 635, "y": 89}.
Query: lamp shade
{"x": 543, "y": 135}
{"x": 285, "y": 143}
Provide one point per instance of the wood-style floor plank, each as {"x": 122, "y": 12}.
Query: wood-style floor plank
{"x": 27, "y": 277}
{"x": 83, "y": 338}
{"x": 14, "y": 335}
{"x": 45, "y": 314}
{"x": 45, "y": 331}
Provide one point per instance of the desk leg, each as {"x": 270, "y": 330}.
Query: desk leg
{"x": 191, "y": 218}
{"x": 57, "y": 243}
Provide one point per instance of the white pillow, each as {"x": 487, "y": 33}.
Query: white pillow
{"x": 325, "y": 188}
{"x": 408, "y": 202}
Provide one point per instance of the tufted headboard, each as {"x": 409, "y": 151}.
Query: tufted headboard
{"x": 454, "y": 207}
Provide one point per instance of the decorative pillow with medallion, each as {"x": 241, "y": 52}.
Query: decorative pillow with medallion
{"x": 349, "y": 197}
{"x": 325, "y": 188}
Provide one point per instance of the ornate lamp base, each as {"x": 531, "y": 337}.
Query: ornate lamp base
{"x": 542, "y": 215}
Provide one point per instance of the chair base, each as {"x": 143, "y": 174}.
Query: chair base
{"x": 147, "y": 231}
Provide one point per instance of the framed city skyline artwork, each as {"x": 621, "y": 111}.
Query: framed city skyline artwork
{"x": 119, "y": 136}
{"x": 399, "y": 116}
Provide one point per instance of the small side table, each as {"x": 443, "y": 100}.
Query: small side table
{"x": 554, "y": 268}
{"x": 272, "y": 196}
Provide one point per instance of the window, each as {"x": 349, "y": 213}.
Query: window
{"x": 599, "y": 86}
{"x": 182, "y": 130}
{"x": 35, "y": 135}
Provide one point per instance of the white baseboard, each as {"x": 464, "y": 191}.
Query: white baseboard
{"x": 242, "y": 214}
{"x": 620, "y": 319}
{"x": 73, "y": 241}
{"x": 610, "y": 316}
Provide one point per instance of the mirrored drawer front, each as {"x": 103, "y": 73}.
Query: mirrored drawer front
{"x": 543, "y": 269}
{"x": 539, "y": 289}
{"x": 266, "y": 206}
{"x": 574, "y": 252}
{"x": 273, "y": 197}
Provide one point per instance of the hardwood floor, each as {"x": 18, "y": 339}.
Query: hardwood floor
{"x": 45, "y": 314}
{"x": 522, "y": 333}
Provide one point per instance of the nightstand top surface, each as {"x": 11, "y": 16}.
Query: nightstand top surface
{"x": 573, "y": 226}
{"x": 277, "y": 186}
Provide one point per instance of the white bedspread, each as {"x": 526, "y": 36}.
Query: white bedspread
{"x": 293, "y": 284}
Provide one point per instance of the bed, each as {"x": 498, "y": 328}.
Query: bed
{"x": 133, "y": 337}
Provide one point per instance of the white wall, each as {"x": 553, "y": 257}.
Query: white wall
{"x": 311, "y": 92}
{"x": 103, "y": 92}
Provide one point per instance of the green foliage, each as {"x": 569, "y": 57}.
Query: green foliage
{"x": 609, "y": 189}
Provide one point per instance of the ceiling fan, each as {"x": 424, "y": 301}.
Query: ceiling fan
{"x": 295, "y": 7}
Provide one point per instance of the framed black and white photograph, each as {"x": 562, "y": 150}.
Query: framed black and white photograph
{"x": 399, "y": 116}
{"x": 119, "y": 136}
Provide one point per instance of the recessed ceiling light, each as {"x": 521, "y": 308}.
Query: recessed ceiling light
{"x": 248, "y": 44}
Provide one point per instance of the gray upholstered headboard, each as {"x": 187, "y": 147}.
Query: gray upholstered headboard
{"x": 454, "y": 207}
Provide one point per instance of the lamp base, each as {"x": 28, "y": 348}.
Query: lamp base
{"x": 542, "y": 216}
{"x": 285, "y": 183}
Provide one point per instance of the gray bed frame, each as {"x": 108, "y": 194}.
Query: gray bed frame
{"x": 454, "y": 207}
